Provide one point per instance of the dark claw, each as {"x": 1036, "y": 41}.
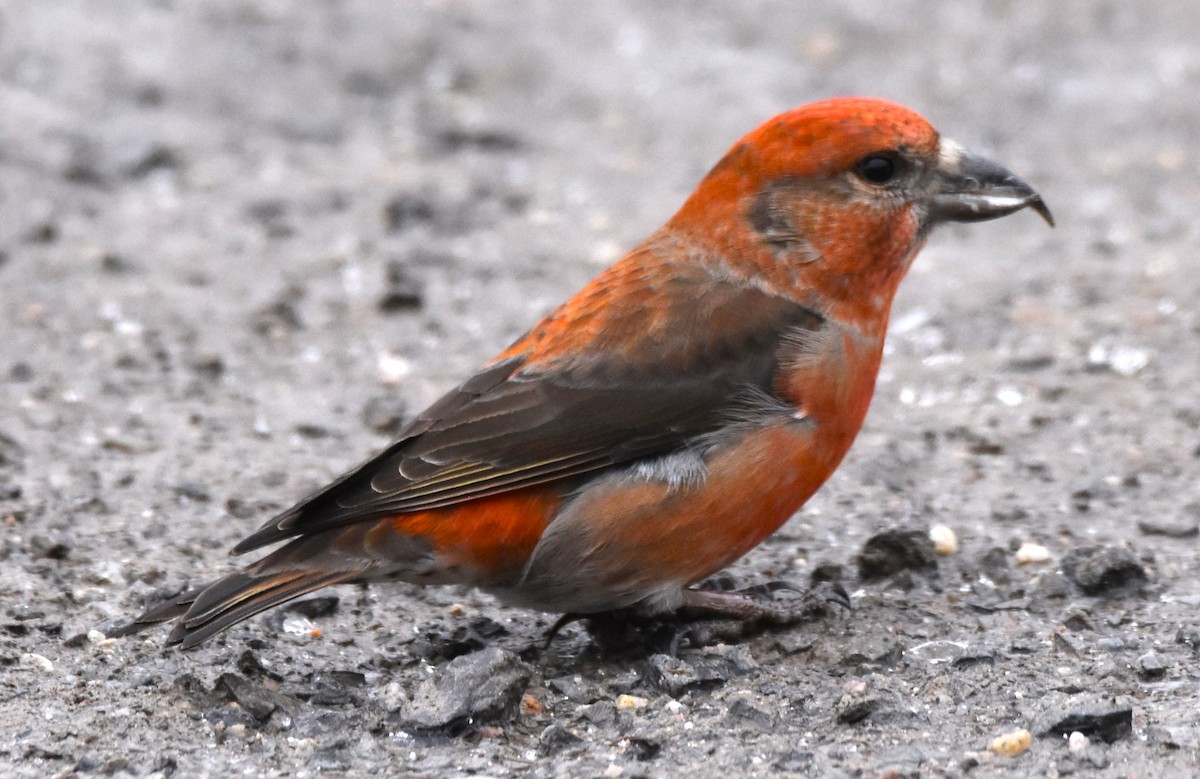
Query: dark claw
{"x": 831, "y": 592}
{"x": 559, "y": 624}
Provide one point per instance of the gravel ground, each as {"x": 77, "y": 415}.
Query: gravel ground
{"x": 239, "y": 241}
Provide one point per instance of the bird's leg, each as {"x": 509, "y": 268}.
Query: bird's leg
{"x": 721, "y": 615}
{"x": 710, "y": 613}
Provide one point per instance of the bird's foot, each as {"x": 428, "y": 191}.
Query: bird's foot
{"x": 712, "y": 612}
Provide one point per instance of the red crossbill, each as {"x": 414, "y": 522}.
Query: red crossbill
{"x": 667, "y": 418}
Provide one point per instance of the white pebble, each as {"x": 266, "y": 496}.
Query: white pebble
{"x": 1128, "y": 360}
{"x": 38, "y": 662}
{"x": 1010, "y": 396}
{"x": 945, "y": 540}
{"x": 392, "y": 368}
{"x": 1032, "y": 553}
{"x": 1077, "y": 742}
{"x": 298, "y": 624}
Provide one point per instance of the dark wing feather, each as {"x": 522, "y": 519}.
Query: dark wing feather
{"x": 513, "y": 426}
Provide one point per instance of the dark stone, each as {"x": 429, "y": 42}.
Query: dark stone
{"x": 602, "y": 714}
{"x": 1104, "y": 570}
{"x": 337, "y": 688}
{"x": 155, "y": 156}
{"x": 1151, "y": 666}
{"x": 85, "y": 164}
{"x": 454, "y": 139}
{"x": 1092, "y": 715}
{"x": 995, "y": 564}
{"x": 857, "y": 710}
{"x": 1050, "y": 585}
{"x": 256, "y": 700}
{"x": 1077, "y": 620}
{"x": 1033, "y": 362}
{"x": 438, "y": 644}
{"x": 86, "y": 765}
{"x": 973, "y": 656}
{"x": 471, "y": 690}
{"x": 241, "y": 509}
{"x": 50, "y": 547}
{"x": 894, "y": 551}
{"x": 385, "y": 414}
{"x": 557, "y": 737}
{"x": 320, "y": 606}
{"x": 249, "y": 664}
{"x": 672, "y": 675}
{"x": 403, "y": 293}
{"x": 193, "y": 492}
{"x": 210, "y": 368}
{"x": 271, "y": 215}
{"x": 42, "y": 232}
{"x": 166, "y": 764}
{"x": 643, "y": 749}
{"x": 333, "y": 759}
{"x": 20, "y": 372}
{"x": 1063, "y": 644}
{"x": 745, "y": 710}
{"x": 827, "y": 572}
{"x": 574, "y": 689}
{"x": 12, "y": 454}
{"x": 1180, "y": 528}
{"x": 312, "y": 431}
{"x": 281, "y": 316}
{"x": 405, "y": 210}
{"x": 115, "y": 264}
{"x": 718, "y": 664}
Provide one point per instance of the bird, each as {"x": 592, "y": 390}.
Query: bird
{"x": 667, "y": 418}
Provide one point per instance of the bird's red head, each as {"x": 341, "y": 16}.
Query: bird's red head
{"x": 838, "y": 197}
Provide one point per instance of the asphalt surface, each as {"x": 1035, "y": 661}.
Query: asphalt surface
{"x": 240, "y": 241}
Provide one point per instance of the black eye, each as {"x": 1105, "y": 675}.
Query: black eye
{"x": 878, "y": 168}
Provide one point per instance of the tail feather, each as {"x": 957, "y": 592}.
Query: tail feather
{"x": 241, "y": 596}
{"x": 169, "y": 609}
{"x": 302, "y": 566}
{"x": 204, "y": 611}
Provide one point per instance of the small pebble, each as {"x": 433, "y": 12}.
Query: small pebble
{"x": 392, "y": 368}
{"x": 631, "y": 702}
{"x": 945, "y": 540}
{"x": 298, "y": 624}
{"x": 1012, "y": 743}
{"x": 1030, "y": 553}
{"x": 31, "y": 660}
{"x": 1104, "y": 570}
{"x": 1151, "y": 666}
{"x": 1077, "y": 742}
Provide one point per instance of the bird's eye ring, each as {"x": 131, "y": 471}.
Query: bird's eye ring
{"x": 878, "y": 168}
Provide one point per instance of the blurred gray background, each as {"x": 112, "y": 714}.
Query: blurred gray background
{"x": 239, "y": 241}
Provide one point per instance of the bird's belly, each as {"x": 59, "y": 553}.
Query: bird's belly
{"x": 627, "y": 539}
